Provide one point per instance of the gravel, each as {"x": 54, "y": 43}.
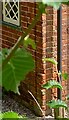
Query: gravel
{"x": 9, "y": 104}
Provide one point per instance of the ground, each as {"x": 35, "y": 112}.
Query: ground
{"x": 9, "y": 104}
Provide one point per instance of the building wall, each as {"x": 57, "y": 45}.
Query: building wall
{"x": 68, "y": 49}
{"x": 65, "y": 39}
{"x": 64, "y": 48}
{"x": 45, "y": 37}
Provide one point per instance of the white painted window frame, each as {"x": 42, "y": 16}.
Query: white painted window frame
{"x": 11, "y": 20}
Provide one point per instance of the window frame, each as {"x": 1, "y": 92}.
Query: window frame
{"x": 11, "y": 20}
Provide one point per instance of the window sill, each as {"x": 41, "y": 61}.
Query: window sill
{"x": 11, "y": 25}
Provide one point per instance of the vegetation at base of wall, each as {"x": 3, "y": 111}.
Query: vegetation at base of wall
{"x": 12, "y": 115}
{"x": 55, "y": 104}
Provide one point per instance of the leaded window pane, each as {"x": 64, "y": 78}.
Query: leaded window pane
{"x": 11, "y": 11}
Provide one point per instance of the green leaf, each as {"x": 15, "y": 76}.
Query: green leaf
{"x": 52, "y": 84}
{"x": 67, "y": 97}
{"x": 52, "y": 60}
{"x": 65, "y": 76}
{"x": 66, "y": 2}
{"x": 41, "y": 7}
{"x": 1, "y": 115}
{"x": 1, "y": 67}
{"x": 5, "y": 51}
{"x": 17, "y": 69}
{"x": 1, "y": 59}
{"x": 9, "y": 114}
{"x": 56, "y": 5}
{"x": 56, "y": 104}
{"x": 28, "y": 41}
{"x": 3, "y": 54}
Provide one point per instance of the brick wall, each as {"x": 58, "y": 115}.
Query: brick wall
{"x": 68, "y": 48}
{"x": 65, "y": 38}
{"x": 45, "y": 37}
{"x": 64, "y": 48}
{"x": 65, "y": 45}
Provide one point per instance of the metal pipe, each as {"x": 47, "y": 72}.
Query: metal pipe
{"x": 59, "y": 47}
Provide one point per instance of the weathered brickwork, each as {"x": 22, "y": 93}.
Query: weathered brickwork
{"x": 45, "y": 37}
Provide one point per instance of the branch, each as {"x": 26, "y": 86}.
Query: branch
{"x": 21, "y": 38}
{"x": 36, "y": 103}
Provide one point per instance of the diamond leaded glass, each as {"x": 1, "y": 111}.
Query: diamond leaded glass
{"x": 11, "y": 11}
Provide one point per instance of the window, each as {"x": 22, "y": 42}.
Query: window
{"x": 11, "y": 11}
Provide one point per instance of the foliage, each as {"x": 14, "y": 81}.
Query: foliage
{"x": 55, "y": 4}
{"x": 52, "y": 60}
{"x": 28, "y": 41}
{"x": 67, "y": 97}
{"x": 11, "y": 114}
{"x": 16, "y": 69}
{"x": 52, "y": 84}
{"x": 56, "y": 104}
{"x": 65, "y": 76}
{"x": 17, "y": 62}
{"x": 62, "y": 118}
{"x": 41, "y": 7}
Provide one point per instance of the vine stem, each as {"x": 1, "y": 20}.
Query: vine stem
{"x": 21, "y": 38}
{"x": 37, "y": 103}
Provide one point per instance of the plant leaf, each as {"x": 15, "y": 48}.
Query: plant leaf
{"x": 52, "y": 84}
{"x": 1, "y": 56}
{"x": 52, "y": 60}
{"x": 56, "y": 104}
{"x": 66, "y": 2}
{"x": 41, "y": 7}
{"x": 16, "y": 70}
{"x": 28, "y": 41}
{"x": 55, "y": 4}
{"x": 9, "y": 115}
{"x": 65, "y": 76}
{"x": 67, "y": 97}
